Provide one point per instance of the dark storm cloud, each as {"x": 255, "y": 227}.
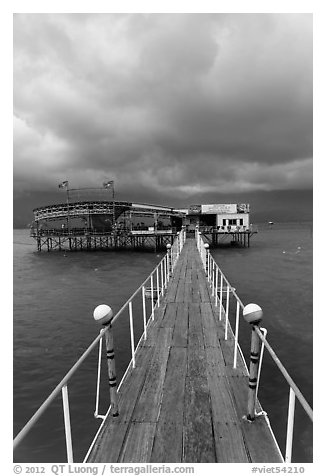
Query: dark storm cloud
{"x": 178, "y": 103}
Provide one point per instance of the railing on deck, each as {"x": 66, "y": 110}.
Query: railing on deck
{"x": 222, "y": 289}
{"x": 157, "y": 283}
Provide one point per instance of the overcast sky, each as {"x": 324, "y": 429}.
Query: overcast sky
{"x": 170, "y": 106}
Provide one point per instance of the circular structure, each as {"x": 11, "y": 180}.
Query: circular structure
{"x": 252, "y": 313}
{"x": 206, "y": 245}
{"x": 168, "y": 246}
{"x": 80, "y": 216}
{"x": 103, "y": 314}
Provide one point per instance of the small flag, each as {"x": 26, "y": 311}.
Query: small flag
{"x": 63, "y": 184}
{"x": 108, "y": 184}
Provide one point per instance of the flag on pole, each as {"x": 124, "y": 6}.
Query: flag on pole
{"x": 63, "y": 184}
{"x": 108, "y": 184}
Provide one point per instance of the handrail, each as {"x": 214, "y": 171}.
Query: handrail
{"x": 167, "y": 263}
{"x": 286, "y": 375}
{"x": 210, "y": 264}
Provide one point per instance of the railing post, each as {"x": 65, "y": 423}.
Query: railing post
{"x": 157, "y": 288}
{"x": 253, "y": 314}
{"x": 166, "y": 271}
{"x": 264, "y": 332}
{"x": 221, "y": 296}
{"x": 144, "y": 312}
{"x": 132, "y": 338}
{"x": 168, "y": 262}
{"x": 178, "y": 245}
{"x": 152, "y": 295}
{"x": 236, "y": 337}
{"x": 216, "y": 285}
{"x": 227, "y": 312}
{"x": 103, "y": 314}
{"x": 96, "y": 415}
{"x": 289, "y": 431}
{"x": 206, "y": 263}
{"x": 66, "y": 415}
{"x": 162, "y": 278}
{"x": 213, "y": 277}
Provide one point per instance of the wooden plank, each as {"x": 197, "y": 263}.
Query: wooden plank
{"x": 148, "y": 405}
{"x": 180, "y": 333}
{"x": 227, "y": 347}
{"x": 188, "y": 272}
{"x": 195, "y": 335}
{"x": 109, "y": 442}
{"x": 196, "y": 362}
{"x": 260, "y": 442}
{"x": 257, "y": 435}
{"x": 229, "y": 443}
{"x": 173, "y": 283}
{"x": 180, "y": 295}
{"x": 172, "y": 290}
{"x": 111, "y": 437}
{"x": 187, "y": 292}
{"x": 170, "y": 315}
{"x": 138, "y": 444}
{"x": 203, "y": 286}
{"x": 215, "y": 361}
{"x": 195, "y": 287}
{"x": 158, "y": 314}
{"x": 212, "y": 330}
{"x": 159, "y": 336}
{"x": 198, "y": 440}
{"x": 168, "y": 439}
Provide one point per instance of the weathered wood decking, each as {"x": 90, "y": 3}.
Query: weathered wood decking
{"x": 184, "y": 403}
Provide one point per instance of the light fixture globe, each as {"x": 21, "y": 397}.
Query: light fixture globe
{"x": 252, "y": 313}
{"x": 103, "y": 314}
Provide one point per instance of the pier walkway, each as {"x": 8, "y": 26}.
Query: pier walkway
{"x": 184, "y": 402}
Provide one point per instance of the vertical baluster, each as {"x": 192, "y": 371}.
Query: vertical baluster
{"x": 236, "y": 337}
{"x": 66, "y": 414}
{"x": 221, "y": 296}
{"x": 152, "y": 295}
{"x": 227, "y": 312}
{"x": 168, "y": 261}
{"x": 165, "y": 271}
{"x": 98, "y": 376}
{"x": 157, "y": 288}
{"x": 132, "y": 338}
{"x": 162, "y": 283}
{"x": 264, "y": 332}
{"x": 216, "y": 285}
{"x": 213, "y": 277}
{"x": 144, "y": 312}
{"x": 290, "y": 423}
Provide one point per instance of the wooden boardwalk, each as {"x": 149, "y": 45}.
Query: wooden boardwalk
{"x": 184, "y": 402}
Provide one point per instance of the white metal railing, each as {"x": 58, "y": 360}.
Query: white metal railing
{"x": 221, "y": 290}
{"x": 158, "y": 280}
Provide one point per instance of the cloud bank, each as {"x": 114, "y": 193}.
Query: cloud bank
{"x": 177, "y": 104}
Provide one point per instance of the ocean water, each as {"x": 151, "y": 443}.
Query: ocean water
{"x": 54, "y": 297}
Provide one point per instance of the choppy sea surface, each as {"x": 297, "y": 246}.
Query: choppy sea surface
{"x": 54, "y": 297}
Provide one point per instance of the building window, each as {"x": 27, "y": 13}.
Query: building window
{"x": 241, "y": 221}
{"x": 233, "y": 221}
{"x": 224, "y": 222}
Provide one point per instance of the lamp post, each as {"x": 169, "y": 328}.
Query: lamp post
{"x": 110, "y": 184}
{"x": 65, "y": 185}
